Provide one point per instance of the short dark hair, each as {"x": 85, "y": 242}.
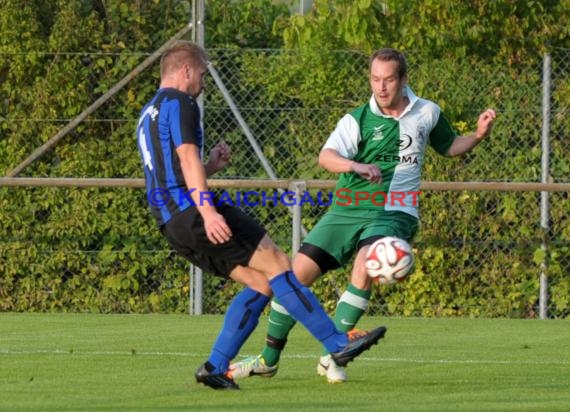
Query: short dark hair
{"x": 387, "y": 54}
{"x": 180, "y": 53}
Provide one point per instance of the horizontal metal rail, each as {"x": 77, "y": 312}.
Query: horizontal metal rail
{"x": 281, "y": 184}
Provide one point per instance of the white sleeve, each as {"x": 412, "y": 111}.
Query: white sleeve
{"x": 345, "y": 137}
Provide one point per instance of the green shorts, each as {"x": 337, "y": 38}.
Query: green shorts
{"x": 340, "y": 234}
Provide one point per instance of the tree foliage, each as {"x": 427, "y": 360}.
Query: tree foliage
{"x": 502, "y": 31}
{"x": 98, "y": 249}
{"x": 243, "y": 24}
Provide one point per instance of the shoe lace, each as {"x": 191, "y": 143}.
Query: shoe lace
{"x": 250, "y": 363}
{"x": 356, "y": 334}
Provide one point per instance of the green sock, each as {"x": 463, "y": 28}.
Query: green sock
{"x": 280, "y": 324}
{"x": 351, "y": 306}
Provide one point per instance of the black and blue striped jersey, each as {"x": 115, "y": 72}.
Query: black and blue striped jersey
{"x": 170, "y": 119}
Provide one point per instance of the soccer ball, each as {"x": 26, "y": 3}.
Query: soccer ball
{"x": 389, "y": 260}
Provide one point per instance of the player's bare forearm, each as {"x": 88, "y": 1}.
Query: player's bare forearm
{"x": 333, "y": 162}
{"x": 210, "y": 169}
{"x": 464, "y": 144}
{"x": 217, "y": 230}
{"x": 195, "y": 176}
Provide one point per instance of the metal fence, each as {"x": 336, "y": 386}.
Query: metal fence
{"x": 529, "y": 145}
{"x": 276, "y": 134}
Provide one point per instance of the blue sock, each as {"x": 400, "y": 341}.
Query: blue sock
{"x": 241, "y": 319}
{"x": 305, "y": 308}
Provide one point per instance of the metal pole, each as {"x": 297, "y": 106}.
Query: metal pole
{"x": 247, "y": 131}
{"x": 197, "y": 280}
{"x": 544, "y": 196}
{"x": 198, "y": 38}
{"x": 280, "y": 184}
{"x": 195, "y": 307}
{"x": 256, "y": 148}
{"x": 191, "y": 291}
{"x": 297, "y": 187}
{"x": 305, "y": 6}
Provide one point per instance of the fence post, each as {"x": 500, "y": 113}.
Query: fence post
{"x": 196, "y": 289}
{"x": 544, "y": 195}
{"x": 298, "y": 187}
{"x": 191, "y": 290}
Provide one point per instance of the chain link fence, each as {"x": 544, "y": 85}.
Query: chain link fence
{"x": 481, "y": 226}
{"x": 469, "y": 245}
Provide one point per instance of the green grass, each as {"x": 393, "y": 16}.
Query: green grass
{"x": 81, "y": 362}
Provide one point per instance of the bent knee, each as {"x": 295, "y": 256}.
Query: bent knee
{"x": 281, "y": 260}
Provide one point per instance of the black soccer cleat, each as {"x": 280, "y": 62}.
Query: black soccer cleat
{"x": 359, "y": 342}
{"x": 215, "y": 380}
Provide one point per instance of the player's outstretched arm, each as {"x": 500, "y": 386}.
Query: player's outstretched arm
{"x": 463, "y": 144}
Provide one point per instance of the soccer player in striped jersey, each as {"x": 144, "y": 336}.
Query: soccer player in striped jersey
{"x": 378, "y": 148}
{"x": 220, "y": 239}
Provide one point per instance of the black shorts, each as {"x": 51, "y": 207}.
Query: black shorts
{"x": 186, "y": 234}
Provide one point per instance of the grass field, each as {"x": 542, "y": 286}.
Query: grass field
{"x": 81, "y": 362}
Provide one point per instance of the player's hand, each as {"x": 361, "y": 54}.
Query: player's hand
{"x": 216, "y": 228}
{"x": 485, "y": 123}
{"x": 220, "y": 156}
{"x": 368, "y": 171}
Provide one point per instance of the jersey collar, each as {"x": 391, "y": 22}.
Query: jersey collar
{"x": 407, "y": 91}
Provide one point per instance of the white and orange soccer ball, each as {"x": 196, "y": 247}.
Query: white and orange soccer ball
{"x": 389, "y": 260}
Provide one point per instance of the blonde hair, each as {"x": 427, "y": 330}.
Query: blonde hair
{"x": 182, "y": 52}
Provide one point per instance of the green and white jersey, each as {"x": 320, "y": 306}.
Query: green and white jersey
{"x": 396, "y": 145}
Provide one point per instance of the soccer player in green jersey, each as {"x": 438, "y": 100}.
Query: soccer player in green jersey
{"x": 378, "y": 147}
